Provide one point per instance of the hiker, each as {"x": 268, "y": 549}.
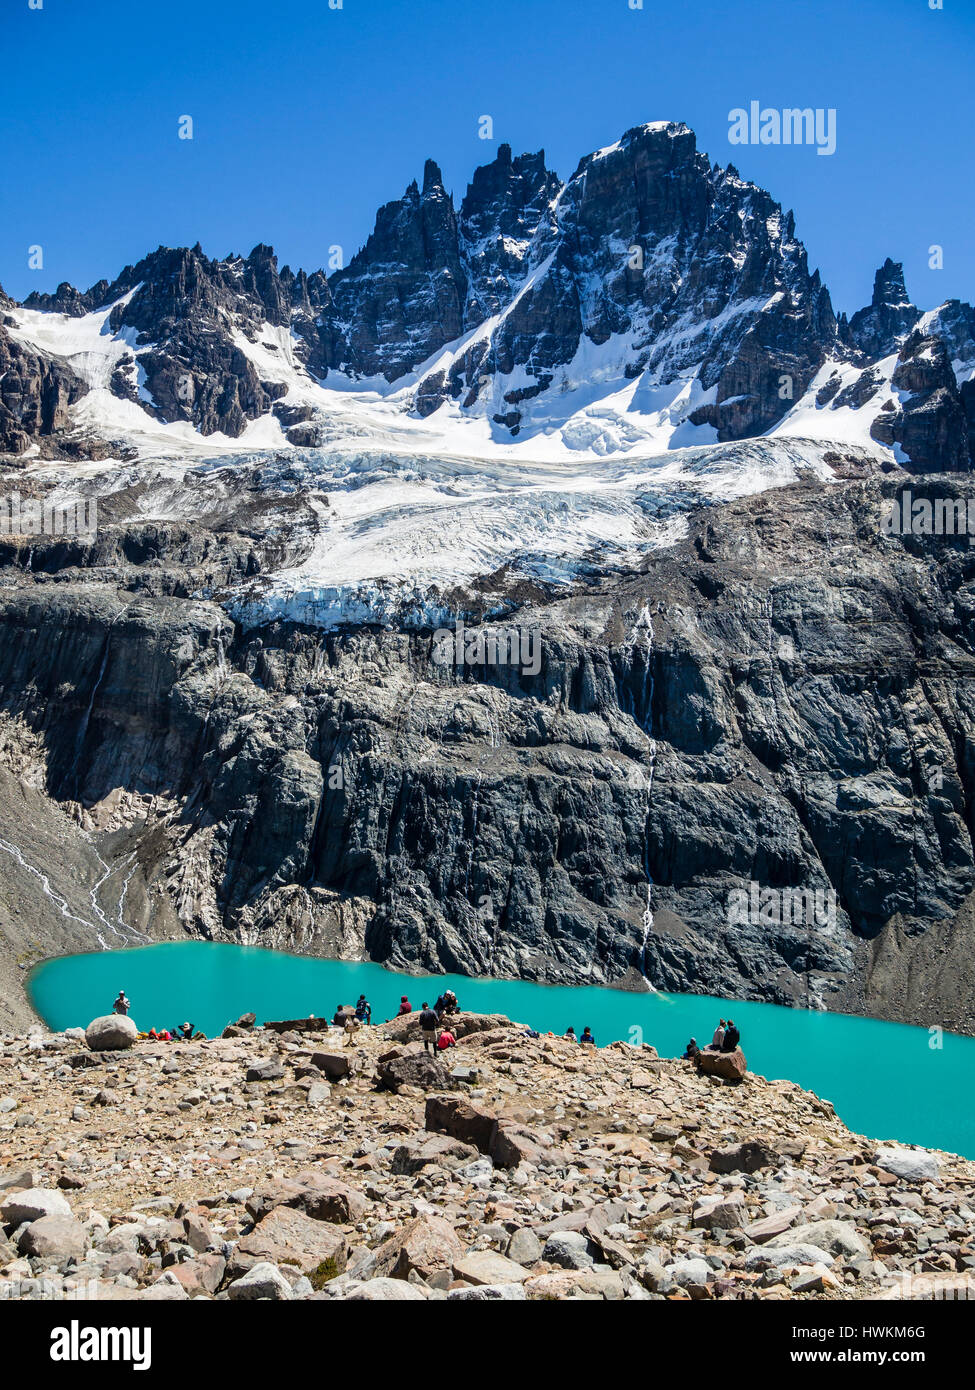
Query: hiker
{"x": 405, "y": 1007}
{"x": 450, "y": 1006}
{"x": 338, "y": 1018}
{"x": 184, "y": 1032}
{"x": 352, "y": 1025}
{"x": 718, "y": 1039}
{"x": 440, "y": 1007}
{"x": 731, "y": 1037}
{"x": 446, "y": 1040}
{"x": 691, "y": 1051}
{"x": 121, "y": 1005}
{"x": 570, "y": 1034}
{"x": 363, "y": 1009}
{"x": 587, "y": 1037}
{"x": 429, "y": 1027}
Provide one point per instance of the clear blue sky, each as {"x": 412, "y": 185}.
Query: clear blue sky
{"x": 306, "y": 118}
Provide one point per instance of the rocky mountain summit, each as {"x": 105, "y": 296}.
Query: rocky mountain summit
{"x": 652, "y": 287}
{"x": 277, "y": 1165}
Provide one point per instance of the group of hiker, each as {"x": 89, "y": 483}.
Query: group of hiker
{"x": 726, "y": 1038}
{"x": 435, "y": 1030}
{"x": 182, "y": 1032}
{"x": 585, "y": 1037}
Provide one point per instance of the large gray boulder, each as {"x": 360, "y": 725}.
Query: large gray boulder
{"x": 54, "y": 1237}
{"x": 111, "y": 1033}
{"x": 32, "y": 1205}
{"x": 913, "y": 1165}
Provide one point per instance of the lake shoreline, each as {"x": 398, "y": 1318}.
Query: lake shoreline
{"x": 913, "y": 1074}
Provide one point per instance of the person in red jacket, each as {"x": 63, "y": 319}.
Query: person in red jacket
{"x": 405, "y": 1007}
{"x": 446, "y": 1039}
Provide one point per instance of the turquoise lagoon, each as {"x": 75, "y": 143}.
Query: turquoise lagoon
{"x": 886, "y": 1080}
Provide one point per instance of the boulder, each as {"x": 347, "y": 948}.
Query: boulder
{"x": 836, "y": 1237}
{"x": 489, "y": 1293}
{"x": 425, "y": 1244}
{"x": 265, "y": 1069}
{"x": 325, "y": 1198}
{"x": 473, "y": 1124}
{"x": 524, "y": 1247}
{"x": 774, "y": 1225}
{"x": 203, "y": 1275}
{"x": 419, "y": 1150}
{"x": 287, "y": 1236}
{"x": 913, "y": 1165}
{"x": 335, "y": 1065}
{"x": 32, "y": 1205}
{"x": 21, "y": 1178}
{"x": 730, "y": 1066}
{"x": 792, "y": 1254}
{"x": 54, "y": 1238}
{"x": 749, "y": 1157}
{"x": 570, "y": 1249}
{"x": 514, "y": 1144}
{"x": 262, "y": 1280}
{"x": 575, "y": 1284}
{"x": 384, "y": 1290}
{"x": 488, "y": 1267}
{"x": 419, "y": 1069}
{"x": 724, "y": 1213}
{"x": 111, "y": 1033}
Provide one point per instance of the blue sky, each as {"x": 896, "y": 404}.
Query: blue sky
{"x": 306, "y": 118}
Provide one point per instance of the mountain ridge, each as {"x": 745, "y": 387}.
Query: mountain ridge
{"x": 653, "y": 289}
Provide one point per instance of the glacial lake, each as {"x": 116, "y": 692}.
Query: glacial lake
{"x": 886, "y": 1080}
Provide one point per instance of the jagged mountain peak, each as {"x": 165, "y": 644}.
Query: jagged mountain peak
{"x": 654, "y": 279}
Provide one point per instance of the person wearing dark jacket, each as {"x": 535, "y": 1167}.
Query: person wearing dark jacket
{"x": 429, "y": 1028}
{"x": 691, "y": 1050}
{"x": 731, "y": 1037}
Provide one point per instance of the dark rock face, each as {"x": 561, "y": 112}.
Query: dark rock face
{"x": 790, "y": 724}
{"x": 403, "y": 295}
{"x": 932, "y": 426}
{"x": 36, "y": 393}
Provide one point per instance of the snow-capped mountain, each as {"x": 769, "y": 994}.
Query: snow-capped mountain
{"x": 652, "y": 302}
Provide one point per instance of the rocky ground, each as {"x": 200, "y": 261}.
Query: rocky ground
{"x": 283, "y": 1165}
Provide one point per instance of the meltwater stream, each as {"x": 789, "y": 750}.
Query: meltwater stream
{"x": 886, "y": 1080}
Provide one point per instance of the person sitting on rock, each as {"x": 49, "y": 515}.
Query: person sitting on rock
{"x": 440, "y": 1007}
{"x": 732, "y": 1037}
{"x": 429, "y": 1027}
{"x": 363, "y": 1009}
{"x": 352, "y": 1025}
{"x": 450, "y": 1002}
{"x": 184, "y": 1032}
{"x": 121, "y": 1005}
{"x": 338, "y": 1018}
{"x": 587, "y": 1037}
{"x": 446, "y": 1039}
{"x": 718, "y": 1038}
{"x": 570, "y": 1034}
{"x": 405, "y": 1007}
{"x": 691, "y": 1050}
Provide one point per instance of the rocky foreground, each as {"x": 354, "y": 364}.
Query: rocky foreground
{"x": 283, "y": 1165}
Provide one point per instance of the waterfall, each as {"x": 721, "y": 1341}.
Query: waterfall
{"x": 641, "y": 635}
